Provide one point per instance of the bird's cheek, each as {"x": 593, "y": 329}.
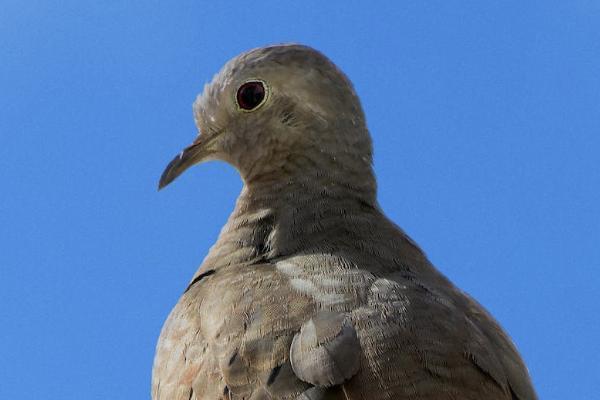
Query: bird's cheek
{"x": 228, "y": 148}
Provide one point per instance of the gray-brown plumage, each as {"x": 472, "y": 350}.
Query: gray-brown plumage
{"x": 310, "y": 291}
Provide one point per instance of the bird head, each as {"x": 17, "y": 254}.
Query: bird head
{"x": 277, "y": 112}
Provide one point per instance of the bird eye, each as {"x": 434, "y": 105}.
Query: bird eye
{"x": 250, "y": 95}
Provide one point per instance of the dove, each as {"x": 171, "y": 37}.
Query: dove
{"x": 310, "y": 292}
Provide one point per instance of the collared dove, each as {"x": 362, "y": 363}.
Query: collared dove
{"x": 310, "y": 291}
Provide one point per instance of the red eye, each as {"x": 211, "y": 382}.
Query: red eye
{"x": 250, "y": 95}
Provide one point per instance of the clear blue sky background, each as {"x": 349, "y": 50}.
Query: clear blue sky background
{"x": 486, "y": 123}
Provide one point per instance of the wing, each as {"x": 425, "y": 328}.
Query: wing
{"x": 255, "y": 333}
{"x": 516, "y": 372}
{"x": 183, "y": 354}
{"x": 229, "y": 338}
{"x": 421, "y": 344}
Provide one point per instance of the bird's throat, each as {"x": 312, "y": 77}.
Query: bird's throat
{"x": 269, "y": 219}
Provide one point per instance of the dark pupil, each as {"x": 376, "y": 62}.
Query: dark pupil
{"x": 250, "y": 95}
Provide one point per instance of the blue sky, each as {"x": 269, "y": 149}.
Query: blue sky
{"x": 486, "y": 123}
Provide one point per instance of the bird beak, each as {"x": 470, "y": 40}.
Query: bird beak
{"x": 195, "y": 153}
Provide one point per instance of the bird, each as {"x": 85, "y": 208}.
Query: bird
{"x": 310, "y": 292}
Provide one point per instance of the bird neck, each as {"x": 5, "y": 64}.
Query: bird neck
{"x": 274, "y": 218}
{"x": 327, "y": 186}
{"x": 277, "y": 220}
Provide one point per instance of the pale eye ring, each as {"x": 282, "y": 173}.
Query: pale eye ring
{"x": 251, "y": 95}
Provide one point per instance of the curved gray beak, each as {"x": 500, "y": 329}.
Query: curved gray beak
{"x": 195, "y": 153}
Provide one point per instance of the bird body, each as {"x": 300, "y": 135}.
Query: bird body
{"x": 310, "y": 291}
